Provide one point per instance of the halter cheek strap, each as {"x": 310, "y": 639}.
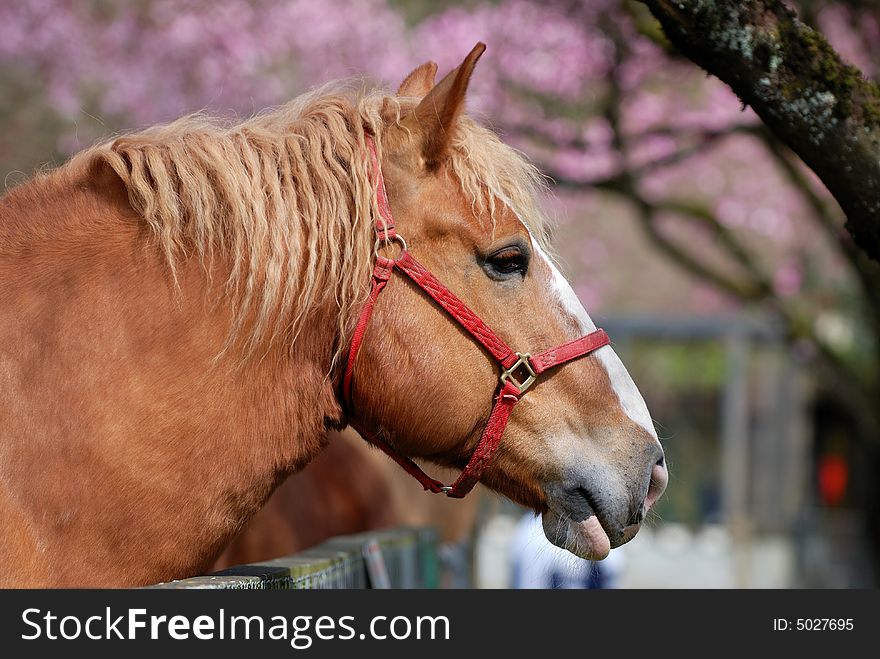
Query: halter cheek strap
{"x": 519, "y": 371}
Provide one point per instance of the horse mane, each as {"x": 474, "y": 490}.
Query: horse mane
{"x": 285, "y": 197}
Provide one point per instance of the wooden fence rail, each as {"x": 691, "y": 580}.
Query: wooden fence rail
{"x": 407, "y": 555}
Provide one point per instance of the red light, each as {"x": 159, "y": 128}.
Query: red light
{"x": 833, "y": 475}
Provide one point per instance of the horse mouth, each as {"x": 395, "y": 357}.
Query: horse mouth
{"x": 588, "y": 538}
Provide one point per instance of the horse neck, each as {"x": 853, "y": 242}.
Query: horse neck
{"x": 131, "y": 453}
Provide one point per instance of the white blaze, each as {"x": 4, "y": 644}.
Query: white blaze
{"x": 627, "y": 393}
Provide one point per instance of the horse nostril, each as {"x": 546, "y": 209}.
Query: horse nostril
{"x": 659, "y": 479}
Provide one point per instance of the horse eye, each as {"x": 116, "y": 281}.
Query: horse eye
{"x": 508, "y": 261}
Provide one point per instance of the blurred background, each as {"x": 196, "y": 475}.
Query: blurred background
{"x": 717, "y": 263}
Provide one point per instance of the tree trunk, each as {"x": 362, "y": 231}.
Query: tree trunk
{"x": 822, "y": 108}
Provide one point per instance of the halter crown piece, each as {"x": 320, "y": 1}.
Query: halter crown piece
{"x": 519, "y": 371}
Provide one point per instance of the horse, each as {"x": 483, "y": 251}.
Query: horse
{"x": 179, "y": 309}
{"x": 348, "y": 488}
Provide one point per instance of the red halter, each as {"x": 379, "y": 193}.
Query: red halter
{"x": 514, "y": 365}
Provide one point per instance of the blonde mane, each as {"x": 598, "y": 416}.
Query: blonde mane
{"x": 286, "y": 198}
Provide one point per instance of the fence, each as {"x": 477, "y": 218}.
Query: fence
{"x": 395, "y": 558}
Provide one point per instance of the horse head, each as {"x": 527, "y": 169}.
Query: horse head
{"x": 580, "y": 447}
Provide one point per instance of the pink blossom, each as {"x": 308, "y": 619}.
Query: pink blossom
{"x": 787, "y": 279}
{"x": 543, "y": 83}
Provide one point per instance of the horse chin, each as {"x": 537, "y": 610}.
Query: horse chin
{"x": 586, "y": 538}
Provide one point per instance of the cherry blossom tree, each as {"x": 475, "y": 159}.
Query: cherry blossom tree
{"x": 823, "y": 108}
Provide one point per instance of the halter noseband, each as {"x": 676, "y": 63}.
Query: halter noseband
{"x": 519, "y": 371}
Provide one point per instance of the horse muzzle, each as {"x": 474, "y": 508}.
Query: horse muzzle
{"x": 594, "y": 512}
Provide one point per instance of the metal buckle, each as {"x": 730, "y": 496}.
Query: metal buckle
{"x": 509, "y": 374}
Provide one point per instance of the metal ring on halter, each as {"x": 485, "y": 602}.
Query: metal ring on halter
{"x": 396, "y": 237}
{"x": 399, "y": 239}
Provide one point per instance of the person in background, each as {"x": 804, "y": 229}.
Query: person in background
{"x": 537, "y": 563}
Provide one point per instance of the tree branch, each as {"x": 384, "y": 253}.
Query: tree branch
{"x": 752, "y": 290}
{"x": 866, "y": 272}
{"x": 822, "y": 108}
{"x": 859, "y": 393}
{"x": 726, "y": 238}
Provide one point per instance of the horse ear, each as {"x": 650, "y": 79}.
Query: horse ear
{"x": 418, "y": 83}
{"x": 434, "y": 118}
